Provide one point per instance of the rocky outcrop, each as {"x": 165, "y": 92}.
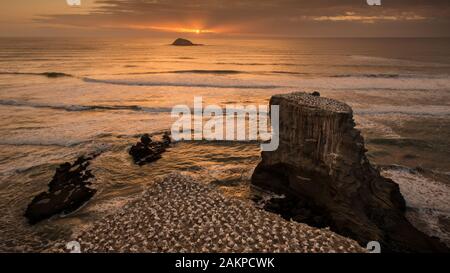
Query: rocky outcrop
{"x": 321, "y": 168}
{"x": 67, "y": 191}
{"x": 183, "y": 42}
{"x": 177, "y": 214}
{"x": 147, "y": 150}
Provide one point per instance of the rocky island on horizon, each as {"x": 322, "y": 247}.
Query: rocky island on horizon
{"x": 184, "y": 42}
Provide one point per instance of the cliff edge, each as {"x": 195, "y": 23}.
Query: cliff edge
{"x": 321, "y": 168}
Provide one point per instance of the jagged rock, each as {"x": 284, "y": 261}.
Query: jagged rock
{"x": 182, "y": 42}
{"x": 147, "y": 151}
{"x": 166, "y": 140}
{"x": 322, "y": 168}
{"x": 67, "y": 191}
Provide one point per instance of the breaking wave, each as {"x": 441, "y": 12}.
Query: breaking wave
{"x": 428, "y": 205}
{"x": 415, "y": 110}
{"x": 43, "y": 142}
{"x": 193, "y": 71}
{"x": 384, "y": 76}
{"x": 79, "y": 108}
{"x": 181, "y": 84}
{"x": 46, "y": 74}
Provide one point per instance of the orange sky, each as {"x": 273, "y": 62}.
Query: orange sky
{"x": 296, "y": 18}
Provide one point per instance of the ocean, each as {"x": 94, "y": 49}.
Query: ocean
{"x": 64, "y": 97}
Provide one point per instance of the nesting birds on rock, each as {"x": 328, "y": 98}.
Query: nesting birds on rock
{"x": 177, "y": 214}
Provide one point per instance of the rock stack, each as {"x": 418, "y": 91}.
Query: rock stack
{"x": 147, "y": 151}
{"x": 67, "y": 191}
{"x": 321, "y": 168}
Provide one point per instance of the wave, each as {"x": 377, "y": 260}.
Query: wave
{"x": 389, "y": 76}
{"x": 198, "y": 71}
{"x": 274, "y": 82}
{"x": 268, "y": 64}
{"x": 234, "y": 72}
{"x": 401, "y": 142}
{"x": 43, "y": 142}
{"x": 426, "y": 200}
{"x": 181, "y": 84}
{"x": 402, "y": 61}
{"x": 217, "y": 72}
{"x": 79, "y": 108}
{"x": 46, "y": 74}
{"x": 416, "y": 170}
{"x": 398, "y": 65}
{"x": 373, "y": 58}
{"x": 383, "y": 76}
{"x": 250, "y": 64}
{"x": 418, "y": 110}
{"x": 289, "y": 72}
{"x": 264, "y": 80}
{"x": 193, "y": 71}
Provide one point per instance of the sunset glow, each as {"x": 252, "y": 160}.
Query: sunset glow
{"x": 174, "y": 29}
{"x": 224, "y": 136}
{"x": 244, "y": 17}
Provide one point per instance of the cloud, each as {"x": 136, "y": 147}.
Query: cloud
{"x": 352, "y": 17}
{"x": 280, "y": 17}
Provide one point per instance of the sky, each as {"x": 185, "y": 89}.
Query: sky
{"x": 287, "y": 18}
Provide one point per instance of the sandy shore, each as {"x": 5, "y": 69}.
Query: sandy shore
{"x": 177, "y": 214}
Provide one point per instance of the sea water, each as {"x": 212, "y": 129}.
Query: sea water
{"x": 109, "y": 91}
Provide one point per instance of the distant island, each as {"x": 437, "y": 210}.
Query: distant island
{"x": 184, "y": 42}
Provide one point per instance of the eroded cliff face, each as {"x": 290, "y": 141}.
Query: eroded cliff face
{"x": 322, "y": 169}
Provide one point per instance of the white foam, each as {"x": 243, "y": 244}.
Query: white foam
{"x": 279, "y": 81}
{"x": 416, "y": 110}
{"x": 427, "y": 201}
{"x": 365, "y": 122}
{"x": 394, "y": 61}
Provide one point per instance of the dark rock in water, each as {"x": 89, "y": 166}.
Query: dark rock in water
{"x": 67, "y": 191}
{"x": 315, "y": 94}
{"x": 183, "y": 42}
{"x": 321, "y": 168}
{"x": 147, "y": 151}
{"x": 166, "y": 140}
{"x": 146, "y": 140}
{"x": 55, "y": 74}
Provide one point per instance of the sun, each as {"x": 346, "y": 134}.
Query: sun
{"x": 198, "y": 31}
